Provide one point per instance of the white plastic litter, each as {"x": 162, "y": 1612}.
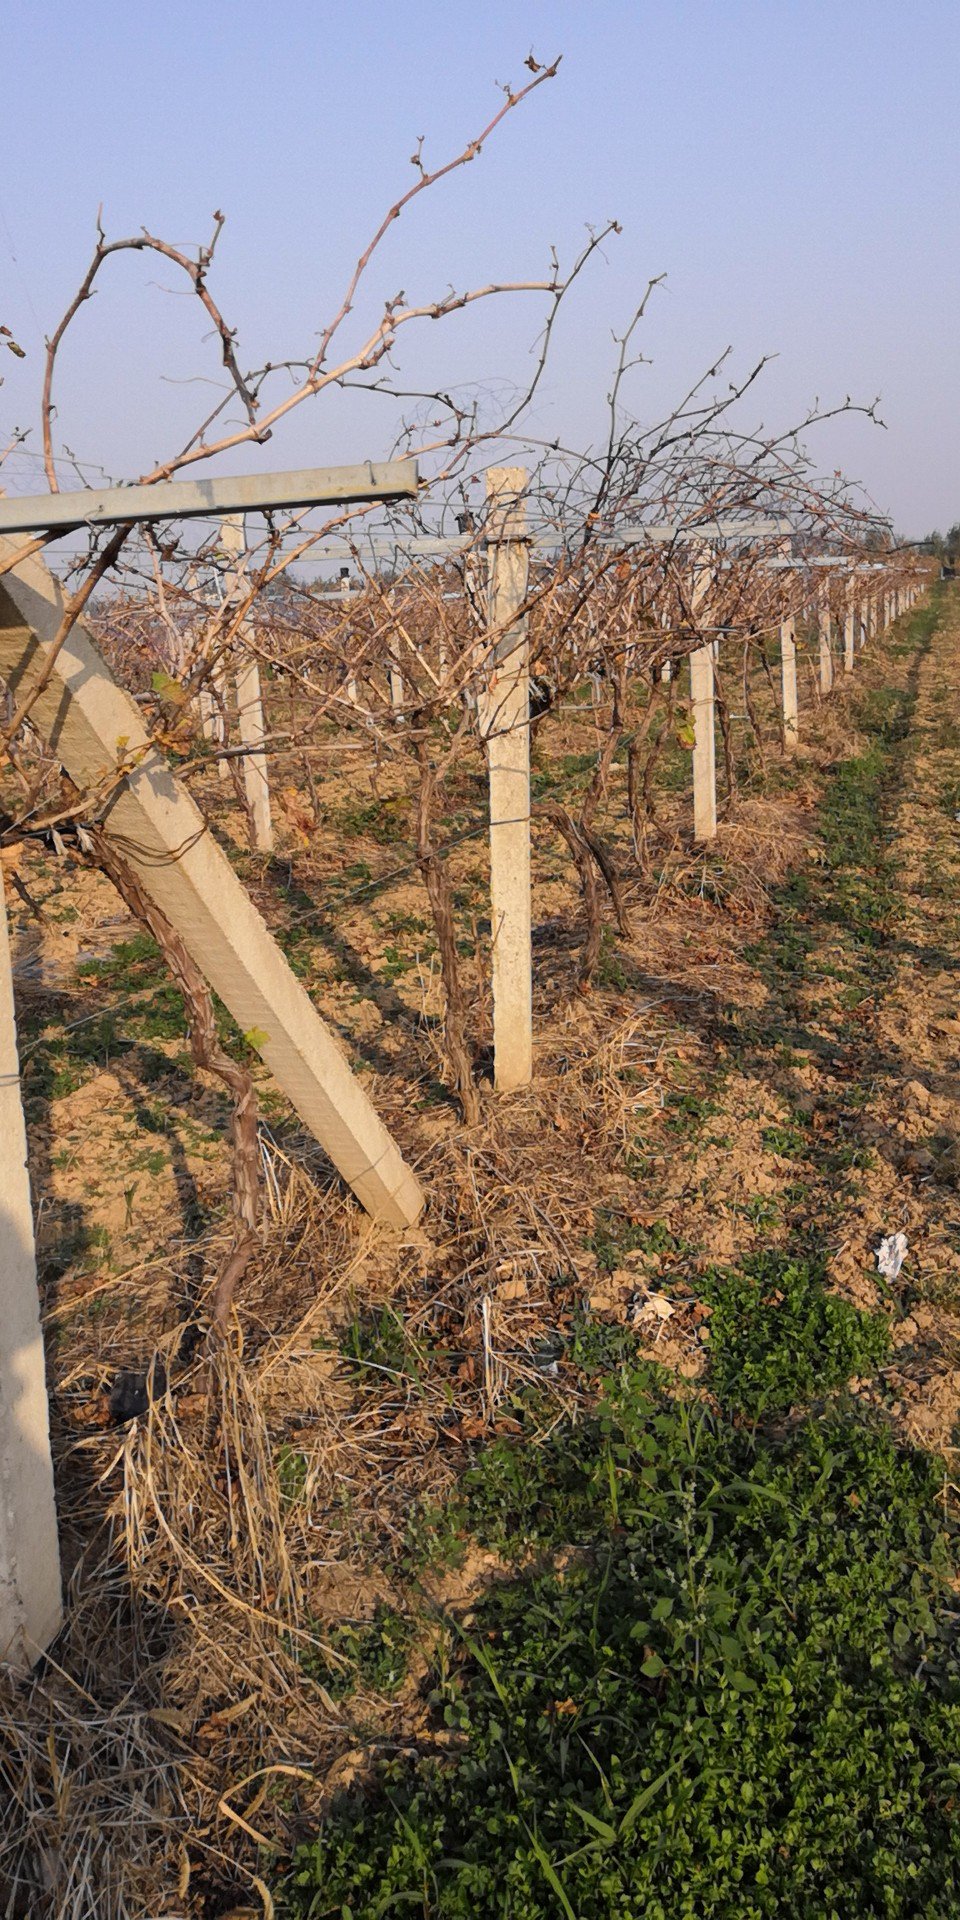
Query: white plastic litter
{"x": 891, "y": 1254}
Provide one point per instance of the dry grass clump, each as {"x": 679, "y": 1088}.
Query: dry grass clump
{"x": 268, "y": 1486}
{"x": 97, "y": 1806}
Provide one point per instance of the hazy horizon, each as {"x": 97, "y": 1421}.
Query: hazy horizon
{"x": 788, "y": 167}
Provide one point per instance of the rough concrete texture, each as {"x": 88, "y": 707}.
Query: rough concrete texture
{"x": 504, "y": 714}
{"x": 702, "y": 703}
{"x": 788, "y": 682}
{"x": 30, "y": 1612}
{"x": 256, "y": 782}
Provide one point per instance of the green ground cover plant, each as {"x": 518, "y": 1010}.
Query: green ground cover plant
{"x": 779, "y": 1338}
{"x": 365, "y": 1653}
{"x": 725, "y": 1688}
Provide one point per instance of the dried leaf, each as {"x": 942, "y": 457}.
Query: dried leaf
{"x": 512, "y": 1290}
{"x": 657, "y": 1303}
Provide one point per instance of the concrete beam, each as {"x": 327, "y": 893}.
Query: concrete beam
{"x": 716, "y": 532}
{"x": 94, "y": 728}
{"x": 193, "y": 499}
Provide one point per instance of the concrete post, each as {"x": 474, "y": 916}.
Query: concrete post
{"x": 30, "y": 1610}
{"x": 504, "y": 717}
{"x": 823, "y": 635}
{"x": 849, "y": 634}
{"x": 666, "y": 671}
{"x": 218, "y": 681}
{"x": 220, "y": 698}
{"x": 208, "y": 714}
{"x": 256, "y": 779}
{"x": 206, "y": 704}
{"x": 94, "y": 727}
{"x": 345, "y": 597}
{"x": 702, "y": 701}
{"x": 788, "y": 682}
{"x": 703, "y": 704}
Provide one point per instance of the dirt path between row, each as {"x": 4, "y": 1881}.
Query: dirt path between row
{"x": 822, "y": 1111}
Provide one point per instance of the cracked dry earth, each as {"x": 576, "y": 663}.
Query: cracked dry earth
{"x": 822, "y": 1108}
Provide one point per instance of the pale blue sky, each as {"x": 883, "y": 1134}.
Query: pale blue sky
{"x": 791, "y": 165}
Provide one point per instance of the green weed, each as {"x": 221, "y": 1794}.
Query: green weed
{"x": 787, "y": 1141}
{"x": 291, "y": 1475}
{"x": 599, "y": 1347}
{"x": 372, "y": 1653}
{"x": 688, "y": 1111}
{"x": 736, "y": 1697}
{"x": 779, "y": 1339}
{"x": 377, "y": 1340}
{"x": 387, "y": 821}
{"x": 615, "y": 1236}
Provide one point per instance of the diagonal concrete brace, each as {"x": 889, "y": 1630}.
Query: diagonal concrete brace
{"x": 93, "y": 726}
